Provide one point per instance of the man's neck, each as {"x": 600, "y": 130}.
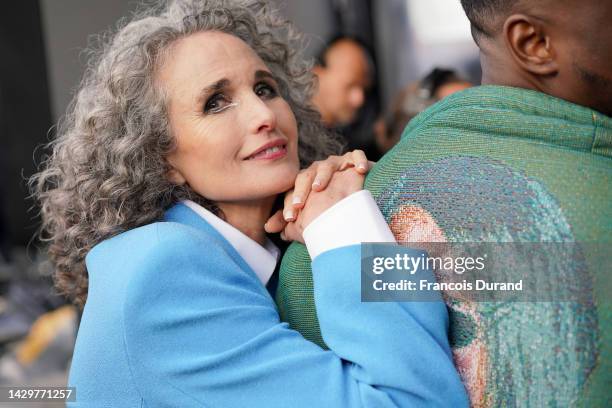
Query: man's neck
{"x": 495, "y": 72}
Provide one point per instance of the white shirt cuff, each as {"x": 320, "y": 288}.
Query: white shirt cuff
{"x": 352, "y": 220}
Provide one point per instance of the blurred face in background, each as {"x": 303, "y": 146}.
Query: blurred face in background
{"x": 343, "y": 82}
{"x": 407, "y": 104}
{"x": 450, "y": 88}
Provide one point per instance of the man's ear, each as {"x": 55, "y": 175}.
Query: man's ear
{"x": 530, "y": 46}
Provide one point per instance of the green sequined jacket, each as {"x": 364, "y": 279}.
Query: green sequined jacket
{"x": 502, "y": 164}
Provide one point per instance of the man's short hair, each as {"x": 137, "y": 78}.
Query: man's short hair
{"x": 483, "y": 14}
{"x": 321, "y": 55}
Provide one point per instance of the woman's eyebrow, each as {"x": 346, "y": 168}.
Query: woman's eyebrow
{"x": 210, "y": 89}
{"x": 261, "y": 74}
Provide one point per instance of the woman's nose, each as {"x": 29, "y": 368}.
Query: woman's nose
{"x": 261, "y": 116}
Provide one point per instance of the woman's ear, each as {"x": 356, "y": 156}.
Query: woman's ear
{"x": 530, "y": 45}
{"x": 175, "y": 176}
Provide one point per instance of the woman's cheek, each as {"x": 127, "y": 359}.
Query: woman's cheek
{"x": 291, "y": 176}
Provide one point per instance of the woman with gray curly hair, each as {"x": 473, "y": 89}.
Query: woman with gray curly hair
{"x": 182, "y": 137}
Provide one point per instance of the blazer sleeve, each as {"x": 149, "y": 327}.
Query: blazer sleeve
{"x": 201, "y": 331}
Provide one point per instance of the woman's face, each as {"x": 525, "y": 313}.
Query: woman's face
{"x": 236, "y": 136}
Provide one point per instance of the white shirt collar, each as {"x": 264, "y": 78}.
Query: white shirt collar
{"x": 261, "y": 259}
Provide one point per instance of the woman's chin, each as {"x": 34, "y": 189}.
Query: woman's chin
{"x": 253, "y": 185}
{"x": 281, "y": 186}
{"x": 281, "y": 178}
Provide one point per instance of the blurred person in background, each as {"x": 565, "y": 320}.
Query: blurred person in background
{"x": 345, "y": 76}
{"x": 344, "y": 73}
{"x": 414, "y": 99}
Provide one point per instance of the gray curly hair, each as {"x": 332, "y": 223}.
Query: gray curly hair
{"x": 107, "y": 170}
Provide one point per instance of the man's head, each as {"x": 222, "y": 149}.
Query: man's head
{"x": 343, "y": 71}
{"x": 559, "y": 47}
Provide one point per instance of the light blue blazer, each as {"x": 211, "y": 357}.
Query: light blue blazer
{"x": 176, "y": 318}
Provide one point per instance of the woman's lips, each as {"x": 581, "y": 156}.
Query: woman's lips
{"x": 270, "y": 153}
{"x": 272, "y": 150}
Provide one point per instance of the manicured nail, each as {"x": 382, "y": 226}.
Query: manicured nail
{"x": 297, "y": 200}
{"x": 288, "y": 215}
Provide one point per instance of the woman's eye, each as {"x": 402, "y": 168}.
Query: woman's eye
{"x": 216, "y": 103}
{"x": 264, "y": 90}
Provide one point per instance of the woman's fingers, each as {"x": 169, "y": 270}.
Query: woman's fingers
{"x": 276, "y": 223}
{"x": 289, "y": 211}
{"x": 356, "y": 159}
{"x": 324, "y": 172}
{"x": 292, "y": 232}
{"x": 303, "y": 184}
{"x": 316, "y": 178}
{"x": 318, "y": 175}
{"x": 343, "y": 184}
{"x": 359, "y": 160}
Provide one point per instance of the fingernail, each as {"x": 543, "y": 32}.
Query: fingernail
{"x": 362, "y": 166}
{"x": 288, "y": 215}
{"x": 316, "y": 183}
{"x": 297, "y": 200}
